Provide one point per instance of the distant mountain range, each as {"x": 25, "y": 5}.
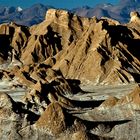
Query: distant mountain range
{"x": 119, "y": 12}
{"x": 36, "y": 13}
{"x": 29, "y": 16}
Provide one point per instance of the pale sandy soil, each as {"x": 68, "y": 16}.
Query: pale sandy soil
{"x": 15, "y": 92}
{"x": 92, "y": 92}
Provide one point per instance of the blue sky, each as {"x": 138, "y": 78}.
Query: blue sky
{"x": 56, "y": 3}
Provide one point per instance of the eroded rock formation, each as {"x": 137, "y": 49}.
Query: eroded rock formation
{"x": 50, "y": 61}
{"x": 91, "y": 50}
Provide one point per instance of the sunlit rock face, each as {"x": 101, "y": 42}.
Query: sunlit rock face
{"x": 135, "y": 17}
{"x": 98, "y": 51}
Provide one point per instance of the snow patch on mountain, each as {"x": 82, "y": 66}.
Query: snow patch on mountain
{"x": 19, "y": 9}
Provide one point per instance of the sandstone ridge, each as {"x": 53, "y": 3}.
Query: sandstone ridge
{"x": 98, "y": 51}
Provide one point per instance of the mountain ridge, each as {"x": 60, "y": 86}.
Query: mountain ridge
{"x": 36, "y": 13}
{"x": 88, "y": 49}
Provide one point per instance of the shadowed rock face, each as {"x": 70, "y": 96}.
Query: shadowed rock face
{"x": 51, "y": 60}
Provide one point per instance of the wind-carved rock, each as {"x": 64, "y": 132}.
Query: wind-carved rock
{"x": 53, "y": 119}
{"x": 53, "y": 14}
{"x": 135, "y": 17}
{"x": 85, "y": 49}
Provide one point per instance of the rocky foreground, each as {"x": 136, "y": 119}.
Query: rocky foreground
{"x": 54, "y": 65}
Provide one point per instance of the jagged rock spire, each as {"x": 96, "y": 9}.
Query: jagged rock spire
{"x": 135, "y": 17}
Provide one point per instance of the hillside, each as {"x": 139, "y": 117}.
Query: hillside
{"x": 90, "y": 50}
{"x": 36, "y": 13}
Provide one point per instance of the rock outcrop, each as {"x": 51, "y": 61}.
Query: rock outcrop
{"x": 102, "y": 55}
{"x": 53, "y": 119}
{"x": 90, "y": 50}
{"x": 132, "y": 99}
{"x": 135, "y": 17}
